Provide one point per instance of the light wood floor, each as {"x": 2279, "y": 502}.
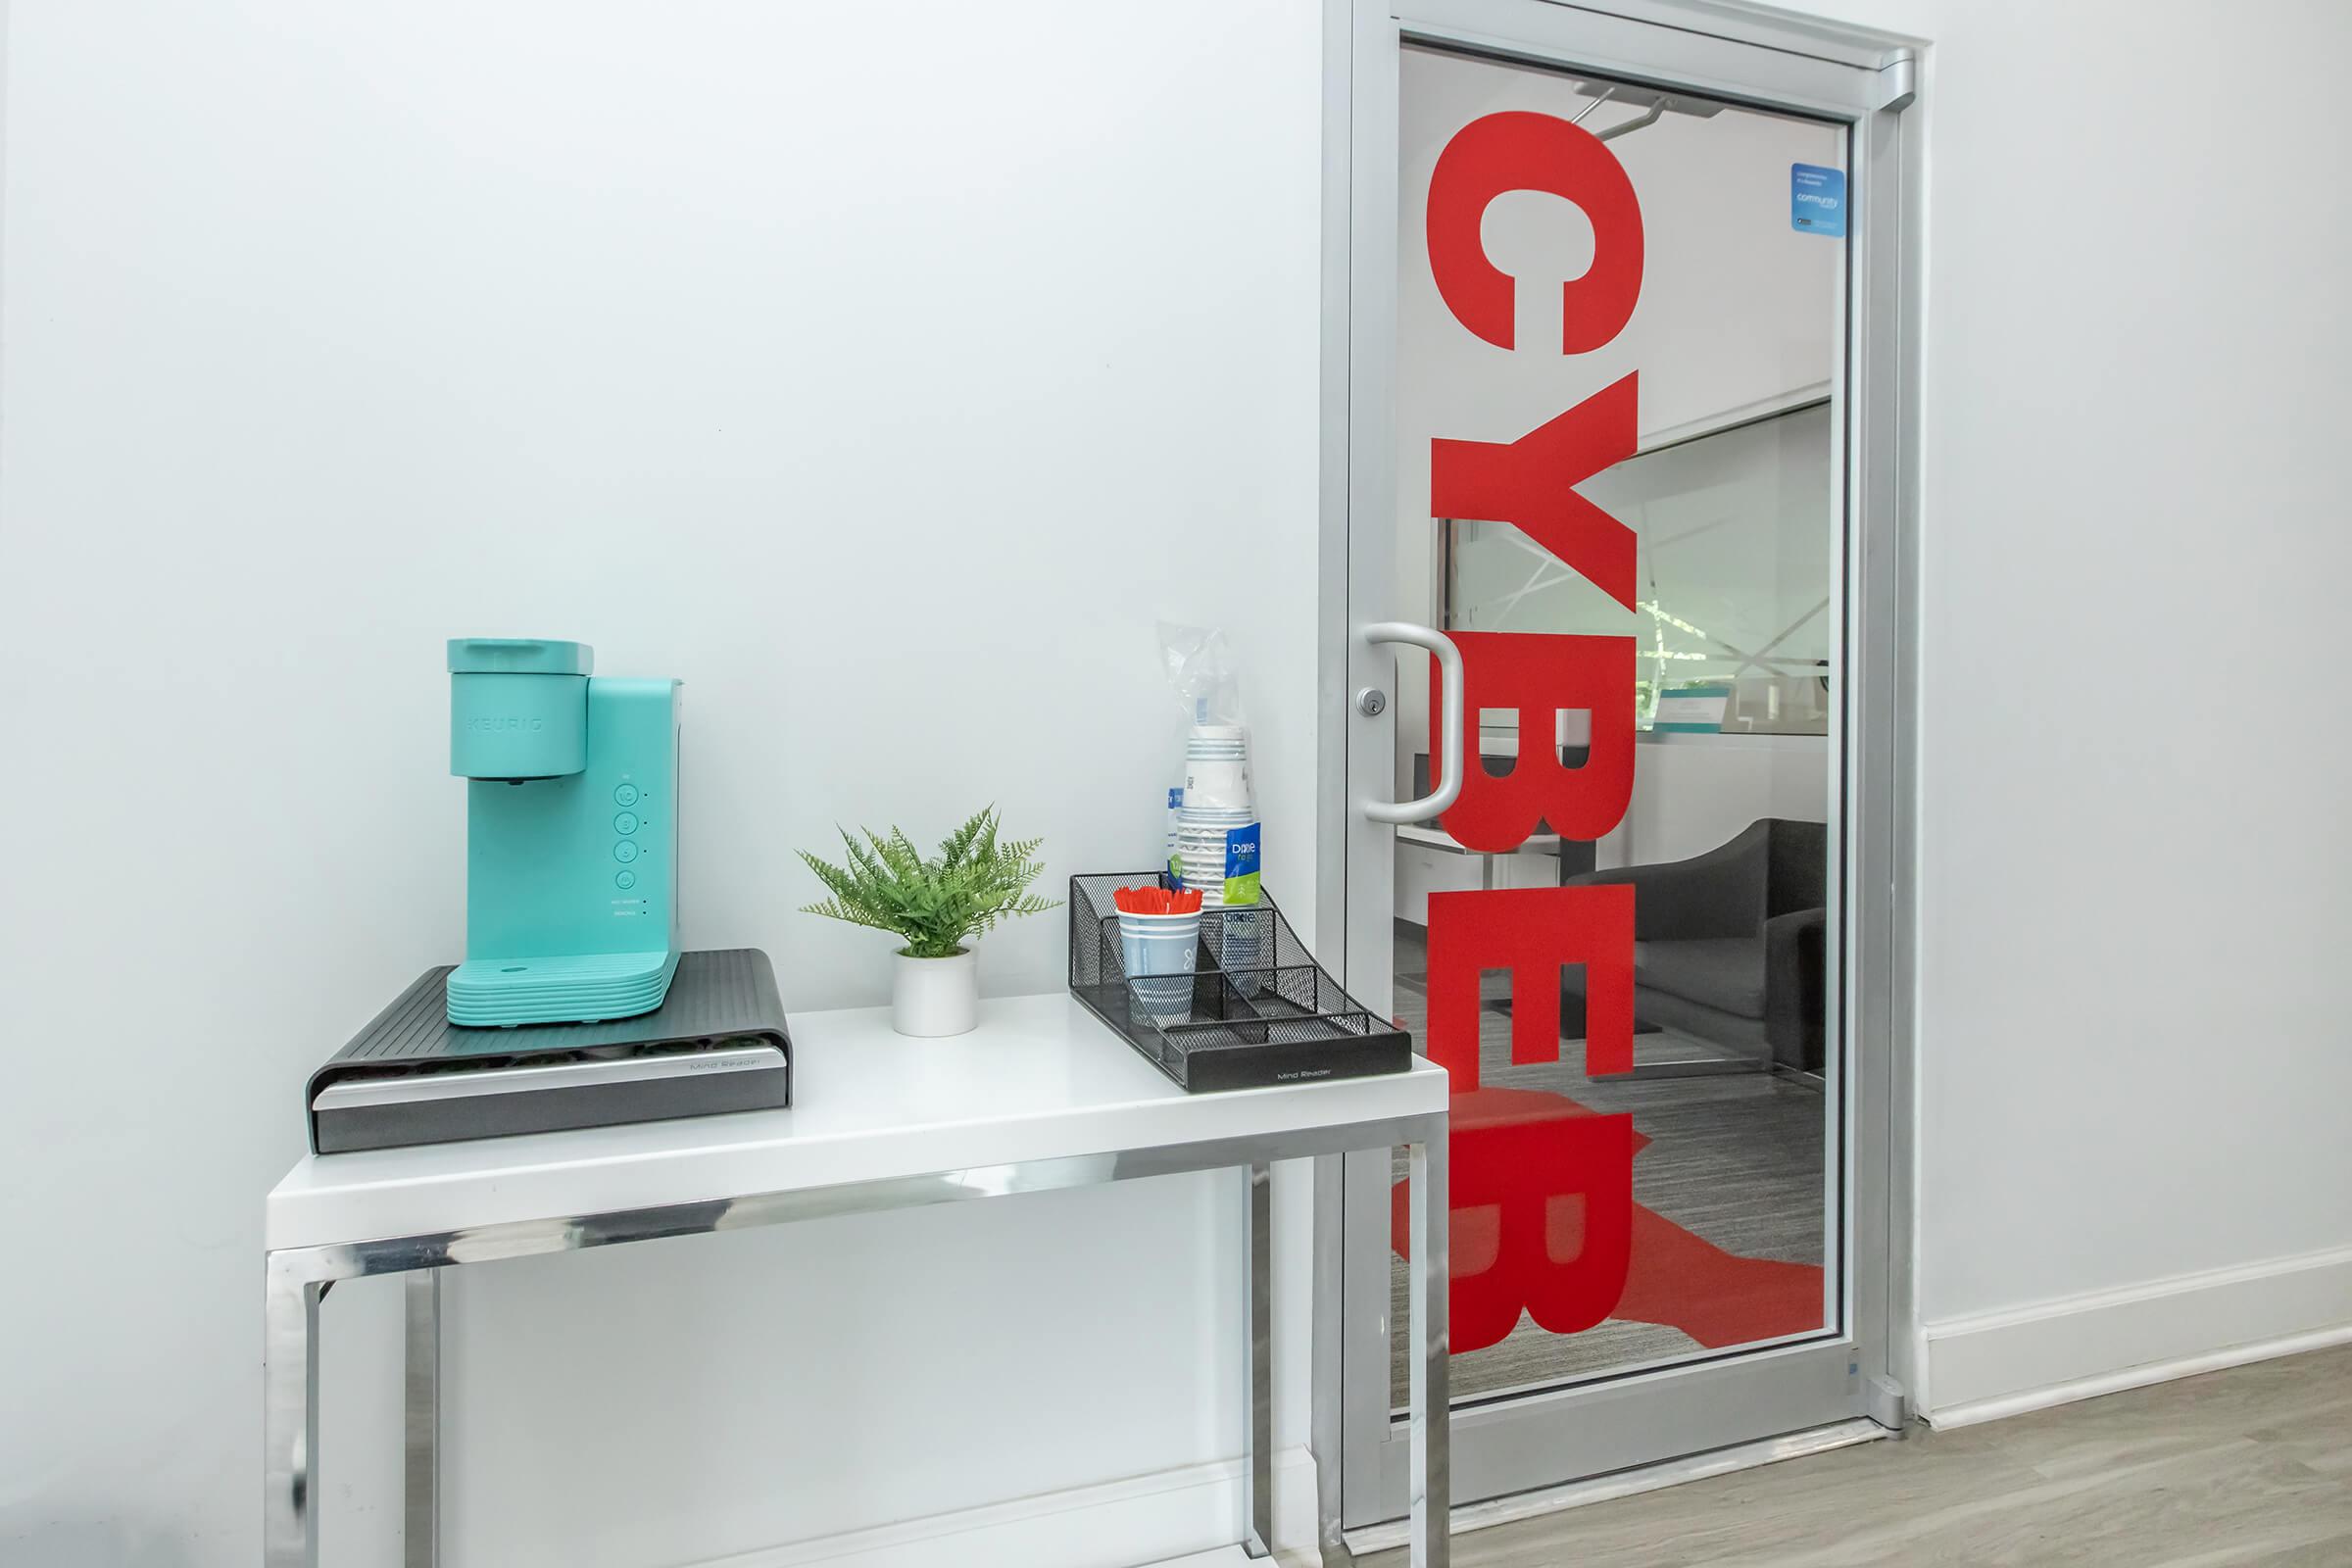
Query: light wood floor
{"x": 2252, "y": 1466}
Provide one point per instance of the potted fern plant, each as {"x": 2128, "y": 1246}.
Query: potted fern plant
{"x": 937, "y": 904}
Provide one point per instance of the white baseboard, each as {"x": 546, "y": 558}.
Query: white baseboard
{"x": 1145, "y": 1519}
{"x": 2004, "y": 1363}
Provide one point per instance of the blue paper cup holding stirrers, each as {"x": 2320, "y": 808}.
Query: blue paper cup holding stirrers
{"x": 1158, "y": 951}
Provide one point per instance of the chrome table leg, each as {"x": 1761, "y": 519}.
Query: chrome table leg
{"x": 1429, "y": 1480}
{"x": 421, "y": 1453}
{"x": 289, "y": 1417}
{"x": 1258, "y": 1386}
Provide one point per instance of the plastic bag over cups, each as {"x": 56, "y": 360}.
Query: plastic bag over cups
{"x": 1200, "y": 666}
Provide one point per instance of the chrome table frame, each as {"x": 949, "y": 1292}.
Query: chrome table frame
{"x": 300, "y": 1278}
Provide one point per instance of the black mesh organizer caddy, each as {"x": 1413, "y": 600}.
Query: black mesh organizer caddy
{"x": 1261, "y": 1010}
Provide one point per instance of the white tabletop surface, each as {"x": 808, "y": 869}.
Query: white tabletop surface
{"x": 1040, "y": 1079}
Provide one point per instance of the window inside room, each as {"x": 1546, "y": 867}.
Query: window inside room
{"x": 1732, "y": 562}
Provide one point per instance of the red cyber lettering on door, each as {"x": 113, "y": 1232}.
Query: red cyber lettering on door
{"x": 1543, "y": 1187}
{"x": 1541, "y": 1202}
{"x": 1516, "y": 151}
{"x": 1530, "y": 483}
{"x": 1532, "y": 932}
{"x": 1538, "y": 676}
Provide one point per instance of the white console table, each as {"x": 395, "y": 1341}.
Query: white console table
{"x": 1042, "y": 1095}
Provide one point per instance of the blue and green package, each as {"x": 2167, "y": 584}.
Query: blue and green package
{"x": 1241, "y": 867}
{"x": 572, "y": 834}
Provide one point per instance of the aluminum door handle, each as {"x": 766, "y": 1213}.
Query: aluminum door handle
{"x": 1450, "y": 759}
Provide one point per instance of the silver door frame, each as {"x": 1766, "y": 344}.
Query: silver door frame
{"x": 1866, "y": 80}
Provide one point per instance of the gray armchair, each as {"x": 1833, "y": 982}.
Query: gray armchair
{"x": 1729, "y": 944}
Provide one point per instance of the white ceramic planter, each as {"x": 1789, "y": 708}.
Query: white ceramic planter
{"x": 935, "y": 995}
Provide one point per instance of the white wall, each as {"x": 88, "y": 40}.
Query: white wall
{"x": 883, "y": 377}
{"x": 1693, "y": 793}
{"x": 2133, "y": 844}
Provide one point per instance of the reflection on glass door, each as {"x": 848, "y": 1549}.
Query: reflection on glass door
{"x": 1725, "y": 847}
{"x": 1619, "y": 460}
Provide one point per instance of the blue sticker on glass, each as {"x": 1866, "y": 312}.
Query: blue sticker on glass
{"x": 1817, "y": 200}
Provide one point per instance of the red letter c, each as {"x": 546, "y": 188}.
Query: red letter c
{"x": 1517, "y": 150}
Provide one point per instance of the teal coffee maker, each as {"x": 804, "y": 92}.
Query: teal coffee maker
{"x": 572, "y": 834}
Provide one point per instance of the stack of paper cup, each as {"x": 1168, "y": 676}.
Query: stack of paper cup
{"x": 1158, "y": 950}
{"x": 1217, "y": 769}
{"x": 1217, "y": 803}
{"x": 1202, "y": 847}
{"x": 1206, "y": 860}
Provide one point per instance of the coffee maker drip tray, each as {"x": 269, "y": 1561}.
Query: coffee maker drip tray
{"x": 717, "y": 1042}
{"x": 500, "y": 993}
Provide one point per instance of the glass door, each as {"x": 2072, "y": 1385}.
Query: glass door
{"x": 1607, "y": 435}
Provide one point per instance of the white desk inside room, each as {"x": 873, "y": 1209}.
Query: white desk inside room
{"x": 1041, "y": 1097}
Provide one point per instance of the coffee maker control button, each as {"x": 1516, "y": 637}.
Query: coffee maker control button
{"x": 624, "y": 880}
{"x": 625, "y": 824}
{"x": 624, "y": 794}
{"x": 625, "y": 850}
